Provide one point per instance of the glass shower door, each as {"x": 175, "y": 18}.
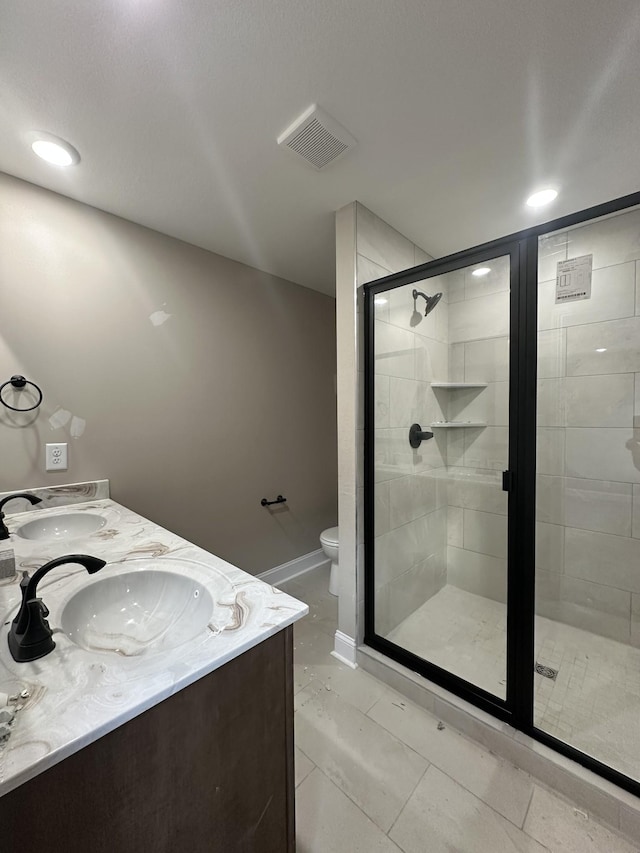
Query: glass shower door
{"x": 587, "y": 625}
{"x": 441, "y": 364}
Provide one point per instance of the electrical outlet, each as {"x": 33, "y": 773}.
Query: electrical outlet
{"x": 57, "y": 457}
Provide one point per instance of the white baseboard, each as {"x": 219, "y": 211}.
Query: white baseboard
{"x": 290, "y": 570}
{"x": 345, "y": 649}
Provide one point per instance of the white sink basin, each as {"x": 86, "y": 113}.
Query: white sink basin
{"x": 137, "y": 612}
{"x": 67, "y": 525}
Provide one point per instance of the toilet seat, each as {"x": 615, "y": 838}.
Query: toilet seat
{"x": 330, "y": 536}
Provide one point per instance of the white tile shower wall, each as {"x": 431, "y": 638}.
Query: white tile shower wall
{"x": 589, "y": 433}
{"x": 349, "y": 429}
{"x": 477, "y": 506}
{"x": 411, "y": 554}
{"x": 410, "y": 514}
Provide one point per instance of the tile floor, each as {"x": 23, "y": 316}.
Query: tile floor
{"x": 593, "y": 704}
{"x": 375, "y": 773}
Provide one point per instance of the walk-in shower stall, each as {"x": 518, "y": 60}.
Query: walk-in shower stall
{"x": 502, "y": 480}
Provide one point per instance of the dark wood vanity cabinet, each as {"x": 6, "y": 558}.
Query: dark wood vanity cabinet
{"x": 209, "y": 769}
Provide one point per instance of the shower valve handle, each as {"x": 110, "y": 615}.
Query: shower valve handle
{"x": 417, "y": 436}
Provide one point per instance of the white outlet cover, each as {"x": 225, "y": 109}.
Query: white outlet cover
{"x": 56, "y": 457}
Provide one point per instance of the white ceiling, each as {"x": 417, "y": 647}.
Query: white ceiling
{"x": 460, "y": 108}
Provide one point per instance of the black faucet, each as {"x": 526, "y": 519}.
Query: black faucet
{"x": 30, "y": 636}
{"x": 4, "y": 533}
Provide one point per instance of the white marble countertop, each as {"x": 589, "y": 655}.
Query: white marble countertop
{"x": 76, "y": 696}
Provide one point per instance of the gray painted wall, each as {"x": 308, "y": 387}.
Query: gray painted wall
{"x": 194, "y": 416}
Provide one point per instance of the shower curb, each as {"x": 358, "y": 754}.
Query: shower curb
{"x": 598, "y": 797}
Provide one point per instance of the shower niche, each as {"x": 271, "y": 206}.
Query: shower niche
{"x": 505, "y": 544}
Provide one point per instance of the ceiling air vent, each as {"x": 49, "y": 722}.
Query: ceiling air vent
{"x": 317, "y": 138}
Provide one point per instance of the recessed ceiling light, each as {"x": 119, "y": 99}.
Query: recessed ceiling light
{"x": 542, "y": 197}
{"x": 481, "y": 271}
{"x": 54, "y": 150}
{"x": 601, "y": 349}
{"x": 380, "y": 300}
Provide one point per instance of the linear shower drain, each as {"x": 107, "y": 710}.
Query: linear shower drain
{"x": 546, "y": 671}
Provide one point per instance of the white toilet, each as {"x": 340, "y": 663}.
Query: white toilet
{"x": 329, "y": 542}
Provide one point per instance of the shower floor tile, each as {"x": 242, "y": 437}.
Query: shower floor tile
{"x": 594, "y": 702}
{"x": 460, "y": 632}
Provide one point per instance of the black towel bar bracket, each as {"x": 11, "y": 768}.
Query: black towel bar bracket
{"x": 278, "y": 500}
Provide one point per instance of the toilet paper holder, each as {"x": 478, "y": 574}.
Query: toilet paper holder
{"x": 278, "y": 500}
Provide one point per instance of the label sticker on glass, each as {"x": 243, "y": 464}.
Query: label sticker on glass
{"x": 573, "y": 279}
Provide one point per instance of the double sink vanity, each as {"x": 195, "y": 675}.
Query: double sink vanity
{"x": 162, "y": 716}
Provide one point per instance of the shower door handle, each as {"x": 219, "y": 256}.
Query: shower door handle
{"x": 507, "y": 481}
{"x": 417, "y": 436}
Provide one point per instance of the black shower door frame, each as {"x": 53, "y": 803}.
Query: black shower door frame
{"x": 520, "y": 583}
{"x": 519, "y": 481}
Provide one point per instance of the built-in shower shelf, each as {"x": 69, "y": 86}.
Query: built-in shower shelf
{"x": 455, "y": 424}
{"x": 454, "y": 385}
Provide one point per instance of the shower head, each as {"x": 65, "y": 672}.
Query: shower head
{"x": 431, "y": 301}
